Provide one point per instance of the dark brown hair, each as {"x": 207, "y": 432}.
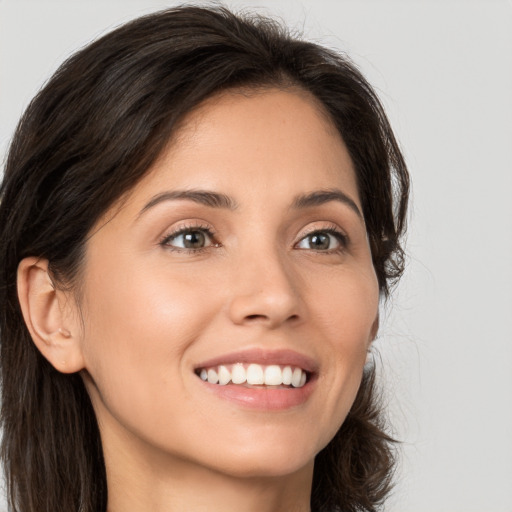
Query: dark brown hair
{"x": 85, "y": 140}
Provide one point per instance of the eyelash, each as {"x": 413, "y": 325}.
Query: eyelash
{"x": 164, "y": 242}
{"x": 341, "y": 237}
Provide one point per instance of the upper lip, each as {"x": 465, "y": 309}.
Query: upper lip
{"x": 263, "y": 357}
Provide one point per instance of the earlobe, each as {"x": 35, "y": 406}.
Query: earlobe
{"x": 375, "y": 328}
{"x": 373, "y": 335}
{"x": 47, "y": 315}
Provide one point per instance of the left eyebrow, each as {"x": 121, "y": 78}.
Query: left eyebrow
{"x": 204, "y": 197}
{"x": 320, "y": 197}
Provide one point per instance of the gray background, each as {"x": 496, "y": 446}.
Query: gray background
{"x": 444, "y": 72}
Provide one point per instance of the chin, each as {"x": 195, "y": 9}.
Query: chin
{"x": 267, "y": 459}
{"x": 274, "y": 466}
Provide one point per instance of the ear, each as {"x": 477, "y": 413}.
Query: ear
{"x": 374, "y": 329}
{"x": 373, "y": 335}
{"x": 50, "y": 316}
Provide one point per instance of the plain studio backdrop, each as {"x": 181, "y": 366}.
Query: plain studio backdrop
{"x": 443, "y": 70}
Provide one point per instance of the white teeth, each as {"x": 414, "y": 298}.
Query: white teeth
{"x": 255, "y": 375}
{"x": 224, "y": 375}
{"x": 273, "y": 375}
{"x": 287, "y": 375}
{"x": 296, "y": 377}
{"x": 213, "y": 378}
{"x": 238, "y": 374}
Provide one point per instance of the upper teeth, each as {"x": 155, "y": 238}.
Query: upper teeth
{"x": 254, "y": 374}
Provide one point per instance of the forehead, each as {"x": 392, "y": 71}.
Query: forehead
{"x": 273, "y": 142}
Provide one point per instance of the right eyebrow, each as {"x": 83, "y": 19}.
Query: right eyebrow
{"x": 319, "y": 197}
{"x": 204, "y": 197}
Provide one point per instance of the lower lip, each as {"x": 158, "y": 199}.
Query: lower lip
{"x": 262, "y": 398}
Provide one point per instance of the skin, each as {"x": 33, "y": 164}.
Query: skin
{"x": 151, "y": 312}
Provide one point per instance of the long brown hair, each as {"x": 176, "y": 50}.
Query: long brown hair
{"x": 86, "y": 139}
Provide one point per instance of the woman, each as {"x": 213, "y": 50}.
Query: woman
{"x": 198, "y": 216}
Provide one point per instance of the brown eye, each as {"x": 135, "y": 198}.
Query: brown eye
{"x": 322, "y": 241}
{"x": 319, "y": 241}
{"x": 192, "y": 239}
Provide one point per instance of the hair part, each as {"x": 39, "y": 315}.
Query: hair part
{"x": 86, "y": 140}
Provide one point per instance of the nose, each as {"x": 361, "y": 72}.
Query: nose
{"x": 266, "y": 292}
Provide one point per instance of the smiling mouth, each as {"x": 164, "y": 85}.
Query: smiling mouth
{"x": 252, "y": 374}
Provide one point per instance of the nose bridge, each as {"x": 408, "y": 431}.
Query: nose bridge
{"x": 265, "y": 288}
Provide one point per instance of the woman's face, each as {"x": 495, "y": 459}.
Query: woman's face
{"x": 242, "y": 255}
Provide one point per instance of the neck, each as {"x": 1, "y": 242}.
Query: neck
{"x": 141, "y": 481}
{"x": 212, "y": 493}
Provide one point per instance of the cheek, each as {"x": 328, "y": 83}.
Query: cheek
{"x": 139, "y": 325}
{"x": 347, "y": 317}
{"x": 346, "y": 305}
{"x": 146, "y": 309}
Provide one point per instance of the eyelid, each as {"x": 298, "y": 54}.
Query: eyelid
{"x": 330, "y": 228}
{"x": 184, "y": 228}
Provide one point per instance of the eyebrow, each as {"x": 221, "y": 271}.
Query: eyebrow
{"x": 206, "y": 198}
{"x": 320, "y": 197}
{"x": 218, "y": 200}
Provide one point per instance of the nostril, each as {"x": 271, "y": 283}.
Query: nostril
{"x": 256, "y": 317}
